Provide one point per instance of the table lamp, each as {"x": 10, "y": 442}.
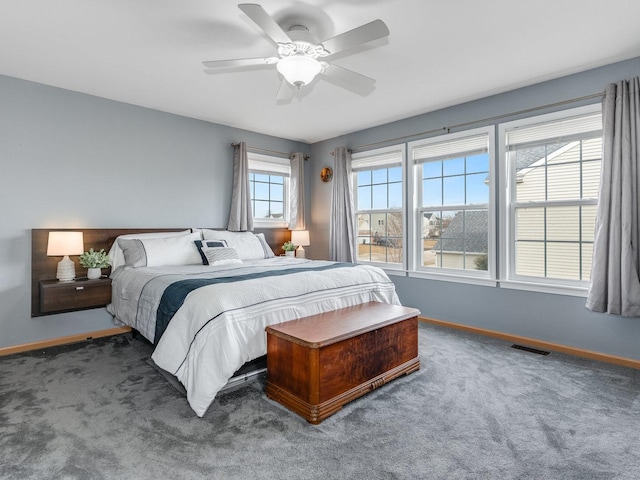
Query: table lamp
{"x": 300, "y": 238}
{"x": 64, "y": 244}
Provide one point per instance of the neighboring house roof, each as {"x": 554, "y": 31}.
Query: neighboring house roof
{"x": 467, "y": 232}
{"x": 525, "y": 157}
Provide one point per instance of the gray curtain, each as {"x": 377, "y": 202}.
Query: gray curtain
{"x": 615, "y": 282}
{"x": 342, "y": 222}
{"x": 240, "y": 215}
{"x": 296, "y": 213}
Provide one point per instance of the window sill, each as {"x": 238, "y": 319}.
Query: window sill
{"x": 445, "y": 277}
{"x": 259, "y": 224}
{"x": 398, "y": 271}
{"x": 574, "y": 291}
{"x": 395, "y": 272}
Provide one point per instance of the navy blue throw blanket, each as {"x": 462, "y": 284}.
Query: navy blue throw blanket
{"x": 174, "y": 295}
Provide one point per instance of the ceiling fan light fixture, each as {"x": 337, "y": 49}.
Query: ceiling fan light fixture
{"x": 299, "y": 70}
{"x": 301, "y": 57}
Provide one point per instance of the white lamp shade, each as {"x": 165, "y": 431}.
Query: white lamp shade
{"x": 65, "y": 243}
{"x": 300, "y": 237}
{"x": 299, "y": 70}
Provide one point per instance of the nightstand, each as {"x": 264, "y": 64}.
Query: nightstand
{"x": 80, "y": 294}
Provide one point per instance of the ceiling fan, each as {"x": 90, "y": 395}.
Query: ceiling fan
{"x": 301, "y": 57}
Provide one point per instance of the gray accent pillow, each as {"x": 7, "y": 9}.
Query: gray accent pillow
{"x": 134, "y": 252}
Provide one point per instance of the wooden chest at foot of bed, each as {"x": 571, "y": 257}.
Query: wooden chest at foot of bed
{"x": 317, "y": 364}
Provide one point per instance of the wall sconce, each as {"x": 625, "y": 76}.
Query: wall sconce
{"x": 300, "y": 238}
{"x": 326, "y": 174}
{"x": 65, "y": 244}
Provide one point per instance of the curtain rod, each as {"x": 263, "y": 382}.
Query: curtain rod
{"x": 482, "y": 120}
{"x": 264, "y": 150}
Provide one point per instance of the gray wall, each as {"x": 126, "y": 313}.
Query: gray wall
{"x": 69, "y": 160}
{"x": 554, "y": 318}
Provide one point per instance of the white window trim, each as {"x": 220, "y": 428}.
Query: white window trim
{"x": 266, "y": 223}
{"x": 393, "y": 268}
{"x": 448, "y": 274}
{"x": 280, "y": 165}
{"x": 521, "y": 282}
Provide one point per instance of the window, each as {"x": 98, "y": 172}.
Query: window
{"x": 269, "y": 184}
{"x": 454, "y": 213}
{"x": 378, "y": 186}
{"x": 552, "y": 178}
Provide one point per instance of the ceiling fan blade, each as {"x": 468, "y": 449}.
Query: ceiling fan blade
{"x": 261, "y": 18}
{"x": 353, "y": 38}
{"x": 356, "y": 82}
{"x": 240, "y": 62}
{"x": 285, "y": 92}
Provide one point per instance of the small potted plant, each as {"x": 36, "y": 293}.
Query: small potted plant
{"x": 289, "y": 249}
{"x": 94, "y": 262}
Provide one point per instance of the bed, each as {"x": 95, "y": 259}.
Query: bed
{"x": 204, "y": 298}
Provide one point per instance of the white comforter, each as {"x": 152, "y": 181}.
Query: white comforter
{"x": 219, "y": 327}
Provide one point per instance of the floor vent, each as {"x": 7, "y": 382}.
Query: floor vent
{"x": 529, "y": 349}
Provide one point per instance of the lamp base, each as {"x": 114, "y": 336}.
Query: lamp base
{"x": 66, "y": 270}
{"x": 300, "y": 252}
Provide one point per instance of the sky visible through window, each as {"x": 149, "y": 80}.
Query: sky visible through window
{"x": 267, "y": 195}
{"x": 456, "y": 181}
{"x": 380, "y": 189}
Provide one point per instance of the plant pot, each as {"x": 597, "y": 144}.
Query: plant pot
{"x": 290, "y": 253}
{"x": 94, "y": 273}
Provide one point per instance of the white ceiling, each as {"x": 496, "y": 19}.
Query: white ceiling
{"x": 439, "y": 53}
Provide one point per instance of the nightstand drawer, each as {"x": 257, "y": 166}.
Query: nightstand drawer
{"x": 77, "y": 295}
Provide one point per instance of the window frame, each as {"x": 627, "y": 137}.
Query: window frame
{"x": 509, "y": 206}
{"x": 393, "y": 268}
{"x": 478, "y": 277}
{"x": 262, "y": 160}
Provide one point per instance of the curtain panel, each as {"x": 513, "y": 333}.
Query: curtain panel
{"x": 342, "y": 223}
{"x": 240, "y": 214}
{"x": 615, "y": 272}
{"x": 296, "y": 213}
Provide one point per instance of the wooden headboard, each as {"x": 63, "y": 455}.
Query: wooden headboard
{"x": 44, "y": 267}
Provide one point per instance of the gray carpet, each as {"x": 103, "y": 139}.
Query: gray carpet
{"x": 477, "y": 409}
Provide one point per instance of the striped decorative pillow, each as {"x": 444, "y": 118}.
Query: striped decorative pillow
{"x": 249, "y": 245}
{"x": 221, "y": 255}
{"x": 208, "y": 243}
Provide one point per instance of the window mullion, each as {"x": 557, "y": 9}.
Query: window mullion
{"x": 556, "y": 203}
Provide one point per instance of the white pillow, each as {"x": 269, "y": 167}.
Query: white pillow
{"x": 116, "y": 256}
{"x": 221, "y": 255}
{"x": 248, "y": 245}
{"x": 159, "y": 252}
{"x": 268, "y": 252}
